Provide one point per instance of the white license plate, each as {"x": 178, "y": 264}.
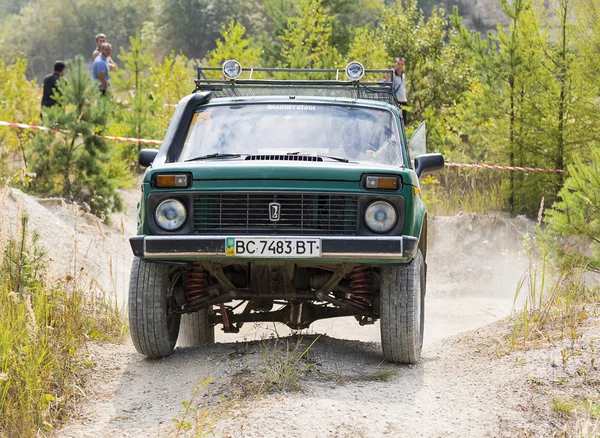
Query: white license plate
{"x": 272, "y": 247}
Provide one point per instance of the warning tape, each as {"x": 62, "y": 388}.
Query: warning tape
{"x": 158, "y": 142}
{"x": 521, "y": 169}
{"x": 106, "y": 137}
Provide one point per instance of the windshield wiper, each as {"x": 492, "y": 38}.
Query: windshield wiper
{"x": 210, "y": 156}
{"x": 342, "y": 159}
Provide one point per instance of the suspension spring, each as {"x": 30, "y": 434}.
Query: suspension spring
{"x": 360, "y": 279}
{"x": 195, "y": 282}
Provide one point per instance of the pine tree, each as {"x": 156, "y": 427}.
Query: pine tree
{"x": 77, "y": 164}
{"x": 500, "y": 61}
{"x": 306, "y": 40}
{"x": 577, "y": 214}
{"x": 234, "y": 45}
{"x": 135, "y": 79}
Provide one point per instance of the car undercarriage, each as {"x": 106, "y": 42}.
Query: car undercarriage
{"x": 292, "y": 294}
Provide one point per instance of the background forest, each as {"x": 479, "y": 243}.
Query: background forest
{"x": 524, "y": 94}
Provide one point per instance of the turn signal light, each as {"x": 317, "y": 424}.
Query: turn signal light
{"x": 382, "y": 182}
{"x": 165, "y": 181}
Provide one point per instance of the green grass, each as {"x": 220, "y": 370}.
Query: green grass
{"x": 557, "y": 300}
{"x": 43, "y": 325}
{"x": 563, "y": 407}
{"x": 463, "y": 190}
{"x": 283, "y": 369}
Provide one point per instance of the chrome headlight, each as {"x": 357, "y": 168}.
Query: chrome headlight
{"x": 381, "y": 216}
{"x": 170, "y": 214}
{"x": 232, "y": 69}
{"x": 355, "y": 71}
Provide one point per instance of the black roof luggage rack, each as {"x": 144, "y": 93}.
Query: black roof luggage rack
{"x": 278, "y": 83}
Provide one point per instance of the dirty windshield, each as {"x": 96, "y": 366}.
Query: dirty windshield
{"x": 353, "y": 133}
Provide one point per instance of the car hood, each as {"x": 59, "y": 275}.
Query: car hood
{"x": 272, "y": 170}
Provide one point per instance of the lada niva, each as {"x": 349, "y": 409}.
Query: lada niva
{"x": 281, "y": 200}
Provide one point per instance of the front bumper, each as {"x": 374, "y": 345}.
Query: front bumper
{"x": 360, "y": 248}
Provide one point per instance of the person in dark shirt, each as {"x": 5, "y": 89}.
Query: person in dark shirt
{"x": 50, "y": 84}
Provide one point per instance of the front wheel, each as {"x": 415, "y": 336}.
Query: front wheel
{"x": 402, "y": 310}
{"x": 153, "y": 327}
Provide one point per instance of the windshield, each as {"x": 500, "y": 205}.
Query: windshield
{"x": 354, "y": 133}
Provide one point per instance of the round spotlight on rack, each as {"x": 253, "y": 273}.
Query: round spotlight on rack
{"x": 232, "y": 69}
{"x": 355, "y": 71}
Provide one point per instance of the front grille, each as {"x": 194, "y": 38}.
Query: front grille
{"x": 315, "y": 214}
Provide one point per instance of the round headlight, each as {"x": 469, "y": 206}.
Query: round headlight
{"x": 170, "y": 214}
{"x": 355, "y": 71}
{"x": 381, "y": 216}
{"x": 232, "y": 69}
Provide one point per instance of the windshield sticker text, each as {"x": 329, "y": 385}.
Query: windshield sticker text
{"x": 292, "y": 107}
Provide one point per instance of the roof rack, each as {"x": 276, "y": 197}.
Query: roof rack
{"x": 230, "y": 85}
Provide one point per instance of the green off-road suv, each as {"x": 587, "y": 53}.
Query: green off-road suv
{"x": 281, "y": 200}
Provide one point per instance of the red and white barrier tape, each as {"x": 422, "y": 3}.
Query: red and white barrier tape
{"x": 106, "y": 137}
{"x": 158, "y": 142}
{"x": 489, "y": 166}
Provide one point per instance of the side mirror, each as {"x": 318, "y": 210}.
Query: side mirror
{"x": 429, "y": 163}
{"x": 147, "y": 156}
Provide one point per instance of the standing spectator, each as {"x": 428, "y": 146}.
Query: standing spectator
{"x": 51, "y": 84}
{"x": 400, "y": 86}
{"x": 101, "y": 39}
{"x": 101, "y": 68}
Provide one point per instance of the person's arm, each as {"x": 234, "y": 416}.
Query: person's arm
{"x": 95, "y": 54}
{"x": 111, "y": 63}
{"x": 102, "y": 79}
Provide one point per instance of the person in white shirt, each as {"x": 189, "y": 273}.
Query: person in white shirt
{"x": 400, "y": 86}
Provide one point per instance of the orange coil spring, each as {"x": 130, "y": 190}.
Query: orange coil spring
{"x": 196, "y": 282}
{"x": 360, "y": 277}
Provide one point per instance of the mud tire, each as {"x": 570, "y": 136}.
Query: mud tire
{"x": 153, "y": 330}
{"x": 403, "y": 311}
{"x": 195, "y": 329}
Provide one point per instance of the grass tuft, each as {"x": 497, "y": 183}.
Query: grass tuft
{"x": 563, "y": 407}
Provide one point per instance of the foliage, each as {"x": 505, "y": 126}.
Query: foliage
{"x": 577, "y": 214}
{"x": 535, "y": 105}
{"x": 234, "y": 45}
{"x": 75, "y": 164}
{"x": 43, "y": 325}
{"x": 19, "y": 102}
{"x": 138, "y": 113}
{"x": 367, "y": 48}
{"x": 173, "y": 78}
{"x": 306, "y": 39}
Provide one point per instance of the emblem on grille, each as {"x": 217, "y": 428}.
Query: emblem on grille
{"x": 274, "y": 211}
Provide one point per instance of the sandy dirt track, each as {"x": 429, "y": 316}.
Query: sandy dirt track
{"x": 459, "y": 388}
